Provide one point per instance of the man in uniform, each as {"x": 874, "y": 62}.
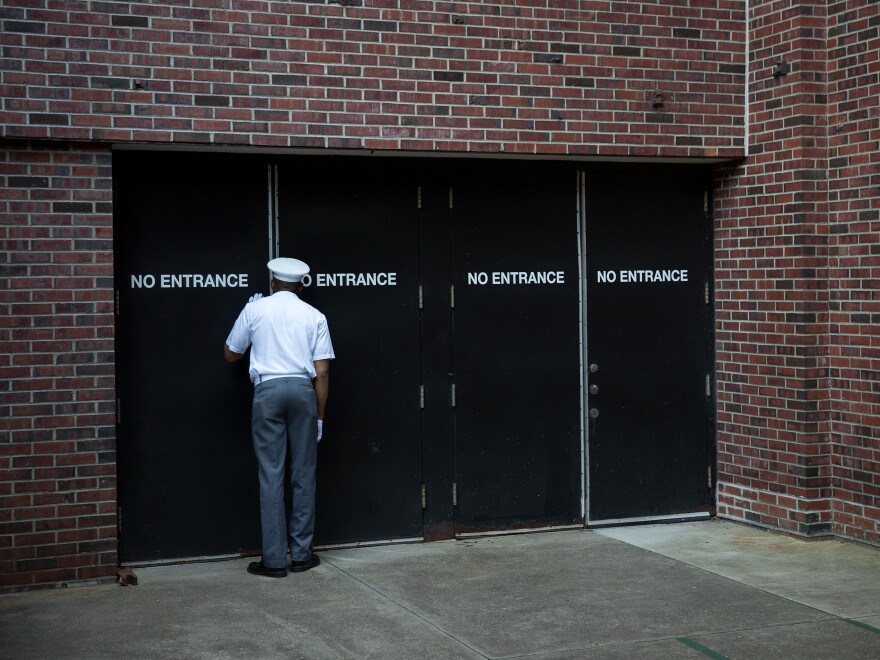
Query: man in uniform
{"x": 290, "y": 368}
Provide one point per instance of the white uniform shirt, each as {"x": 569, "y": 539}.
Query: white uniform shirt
{"x": 287, "y": 335}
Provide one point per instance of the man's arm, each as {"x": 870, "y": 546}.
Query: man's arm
{"x": 230, "y": 355}
{"x": 321, "y": 382}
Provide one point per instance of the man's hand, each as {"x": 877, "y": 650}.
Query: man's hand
{"x": 320, "y": 429}
{"x": 255, "y": 297}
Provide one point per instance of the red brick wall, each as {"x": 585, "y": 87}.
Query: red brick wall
{"x": 57, "y": 441}
{"x": 854, "y": 265}
{"x": 797, "y": 271}
{"x": 521, "y": 76}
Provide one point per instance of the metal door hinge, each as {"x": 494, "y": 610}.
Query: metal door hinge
{"x": 451, "y": 204}
{"x": 706, "y": 291}
{"x": 452, "y": 296}
{"x": 424, "y": 497}
{"x": 454, "y": 494}
{"x": 709, "y": 477}
{"x": 418, "y": 197}
{"x": 708, "y": 385}
{"x": 421, "y": 297}
{"x": 453, "y": 395}
{"x": 422, "y": 396}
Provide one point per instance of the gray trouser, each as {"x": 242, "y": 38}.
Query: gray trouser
{"x": 284, "y": 425}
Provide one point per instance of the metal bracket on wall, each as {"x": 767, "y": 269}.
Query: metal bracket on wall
{"x": 424, "y": 497}
{"x": 453, "y": 395}
{"x": 708, "y": 385}
{"x": 454, "y": 494}
{"x": 452, "y": 296}
{"x": 709, "y": 477}
{"x": 422, "y": 396}
{"x": 421, "y": 297}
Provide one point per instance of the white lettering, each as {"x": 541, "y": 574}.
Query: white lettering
{"x": 142, "y": 281}
{"x": 188, "y": 280}
{"x": 519, "y": 277}
{"x": 353, "y": 279}
{"x": 643, "y": 276}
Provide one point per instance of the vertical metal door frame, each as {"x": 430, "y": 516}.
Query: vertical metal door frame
{"x": 272, "y": 192}
{"x": 582, "y": 301}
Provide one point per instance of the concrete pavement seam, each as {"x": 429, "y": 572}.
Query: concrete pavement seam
{"x": 423, "y": 618}
{"x": 705, "y": 650}
{"x": 860, "y": 624}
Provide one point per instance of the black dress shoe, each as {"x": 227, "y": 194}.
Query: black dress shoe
{"x": 257, "y": 568}
{"x": 305, "y": 564}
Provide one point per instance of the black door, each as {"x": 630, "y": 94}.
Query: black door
{"x": 516, "y": 348}
{"x": 647, "y": 341}
{"x": 357, "y": 226}
{"x": 191, "y": 241}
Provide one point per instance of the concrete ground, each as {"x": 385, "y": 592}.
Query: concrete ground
{"x": 695, "y": 590}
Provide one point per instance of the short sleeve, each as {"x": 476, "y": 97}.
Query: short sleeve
{"x": 323, "y": 349}
{"x": 240, "y": 338}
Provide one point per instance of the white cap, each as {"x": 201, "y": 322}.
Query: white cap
{"x": 288, "y": 270}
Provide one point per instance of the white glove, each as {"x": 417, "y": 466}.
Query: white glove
{"x": 255, "y": 297}
{"x": 320, "y": 429}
